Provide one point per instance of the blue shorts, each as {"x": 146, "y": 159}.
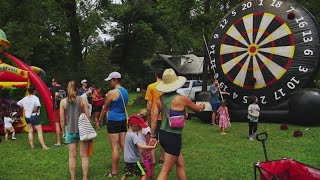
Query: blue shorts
{"x": 72, "y": 138}
{"x": 33, "y": 120}
{"x": 215, "y": 106}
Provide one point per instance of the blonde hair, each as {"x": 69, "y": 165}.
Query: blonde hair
{"x": 145, "y": 113}
{"x": 224, "y": 103}
{"x": 72, "y": 91}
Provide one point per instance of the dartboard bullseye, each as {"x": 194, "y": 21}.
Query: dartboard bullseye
{"x": 259, "y": 47}
{"x": 269, "y": 48}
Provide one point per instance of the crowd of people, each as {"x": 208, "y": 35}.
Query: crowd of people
{"x": 134, "y": 137}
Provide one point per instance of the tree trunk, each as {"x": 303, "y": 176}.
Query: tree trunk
{"x": 70, "y": 10}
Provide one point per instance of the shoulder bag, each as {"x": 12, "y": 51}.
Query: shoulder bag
{"x": 124, "y": 105}
{"x": 177, "y": 122}
{"x": 86, "y": 130}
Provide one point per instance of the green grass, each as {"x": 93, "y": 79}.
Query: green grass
{"x": 207, "y": 154}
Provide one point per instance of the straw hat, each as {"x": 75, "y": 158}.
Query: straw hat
{"x": 170, "y": 81}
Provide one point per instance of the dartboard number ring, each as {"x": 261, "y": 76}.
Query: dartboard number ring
{"x": 268, "y": 48}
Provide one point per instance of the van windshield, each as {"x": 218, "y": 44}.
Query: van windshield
{"x": 186, "y": 85}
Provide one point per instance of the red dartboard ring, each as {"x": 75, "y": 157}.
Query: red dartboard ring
{"x": 267, "y": 48}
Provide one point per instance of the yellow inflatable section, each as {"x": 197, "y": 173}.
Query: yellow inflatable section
{"x": 12, "y": 77}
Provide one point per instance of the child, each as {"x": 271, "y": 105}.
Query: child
{"x": 253, "y": 116}
{"x": 8, "y": 128}
{"x": 131, "y": 148}
{"x": 148, "y": 158}
{"x": 224, "y": 118}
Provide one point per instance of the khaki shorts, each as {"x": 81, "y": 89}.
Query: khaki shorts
{"x": 8, "y": 130}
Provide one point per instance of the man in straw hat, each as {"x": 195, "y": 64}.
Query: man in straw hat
{"x": 171, "y": 138}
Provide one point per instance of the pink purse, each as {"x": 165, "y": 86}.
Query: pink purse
{"x": 177, "y": 122}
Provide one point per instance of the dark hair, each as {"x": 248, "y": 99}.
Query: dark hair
{"x": 158, "y": 72}
{"x": 7, "y": 113}
{"x": 31, "y": 90}
{"x": 55, "y": 80}
{"x": 118, "y": 80}
{"x": 252, "y": 99}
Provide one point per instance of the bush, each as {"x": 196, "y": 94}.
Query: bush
{"x": 139, "y": 100}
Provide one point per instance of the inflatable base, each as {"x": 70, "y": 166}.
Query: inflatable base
{"x": 301, "y": 108}
{"x": 241, "y": 116}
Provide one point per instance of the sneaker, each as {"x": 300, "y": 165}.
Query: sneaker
{"x": 251, "y": 139}
{"x": 57, "y": 145}
{"x": 13, "y": 138}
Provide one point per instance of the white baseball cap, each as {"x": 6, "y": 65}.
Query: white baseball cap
{"x": 84, "y": 81}
{"x": 113, "y": 75}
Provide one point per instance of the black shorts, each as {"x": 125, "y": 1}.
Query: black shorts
{"x": 96, "y": 108}
{"x": 33, "y": 120}
{"x": 136, "y": 168}
{"x": 158, "y": 128}
{"x": 170, "y": 142}
{"x": 114, "y": 127}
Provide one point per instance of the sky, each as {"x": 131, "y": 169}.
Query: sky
{"x": 107, "y": 37}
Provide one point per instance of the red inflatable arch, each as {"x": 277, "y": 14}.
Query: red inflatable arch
{"x": 41, "y": 87}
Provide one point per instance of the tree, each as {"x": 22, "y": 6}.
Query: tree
{"x": 70, "y": 9}
{"x": 135, "y": 35}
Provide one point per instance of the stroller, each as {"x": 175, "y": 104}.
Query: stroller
{"x": 283, "y": 169}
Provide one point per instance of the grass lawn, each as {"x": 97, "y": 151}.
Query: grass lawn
{"x": 208, "y": 155}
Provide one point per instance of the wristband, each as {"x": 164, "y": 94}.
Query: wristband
{"x": 153, "y": 136}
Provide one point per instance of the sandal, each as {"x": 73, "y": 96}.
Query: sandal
{"x": 45, "y": 148}
{"x": 161, "y": 162}
{"x": 111, "y": 175}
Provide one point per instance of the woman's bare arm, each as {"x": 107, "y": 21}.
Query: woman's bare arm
{"x": 107, "y": 102}
{"x": 154, "y": 117}
{"x": 62, "y": 114}
{"x": 191, "y": 105}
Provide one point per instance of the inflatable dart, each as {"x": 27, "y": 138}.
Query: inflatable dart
{"x": 268, "y": 48}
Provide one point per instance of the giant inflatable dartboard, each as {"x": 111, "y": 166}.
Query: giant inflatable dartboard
{"x": 268, "y": 48}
